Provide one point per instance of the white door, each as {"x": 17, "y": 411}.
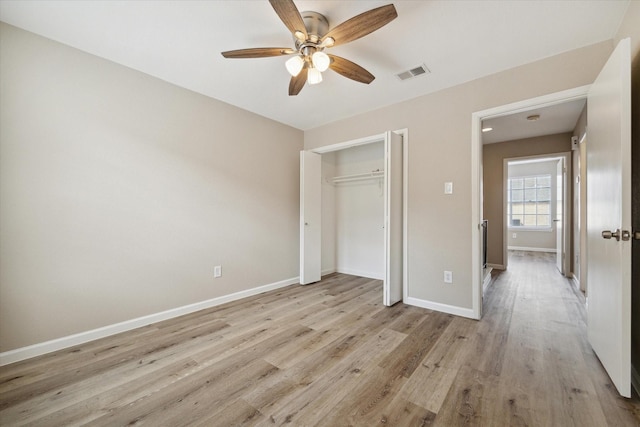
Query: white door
{"x": 392, "y": 288}
{"x": 310, "y": 216}
{"x": 559, "y": 219}
{"x": 609, "y": 214}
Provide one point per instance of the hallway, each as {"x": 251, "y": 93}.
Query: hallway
{"x": 546, "y": 353}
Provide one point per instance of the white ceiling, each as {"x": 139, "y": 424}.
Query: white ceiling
{"x": 181, "y": 41}
{"x": 553, "y": 119}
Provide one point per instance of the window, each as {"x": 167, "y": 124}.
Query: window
{"x": 529, "y": 201}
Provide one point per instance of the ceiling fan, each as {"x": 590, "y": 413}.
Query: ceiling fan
{"x": 312, "y": 35}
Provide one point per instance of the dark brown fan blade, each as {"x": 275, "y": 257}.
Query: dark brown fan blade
{"x": 350, "y": 70}
{"x": 361, "y": 25}
{"x": 297, "y": 83}
{"x": 258, "y": 52}
{"x": 289, "y": 14}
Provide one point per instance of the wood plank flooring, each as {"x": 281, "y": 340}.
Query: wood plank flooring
{"x": 329, "y": 354}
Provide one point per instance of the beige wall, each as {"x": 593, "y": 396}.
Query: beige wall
{"x": 543, "y": 241}
{"x": 493, "y": 179}
{"x": 119, "y": 193}
{"x": 439, "y": 226}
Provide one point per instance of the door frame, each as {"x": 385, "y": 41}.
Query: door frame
{"x": 404, "y": 133}
{"x": 562, "y": 248}
{"x": 476, "y": 174}
{"x": 567, "y": 209}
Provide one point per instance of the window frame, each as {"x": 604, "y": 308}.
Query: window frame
{"x": 510, "y": 203}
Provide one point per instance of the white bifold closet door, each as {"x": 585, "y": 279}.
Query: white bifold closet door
{"x": 392, "y": 289}
{"x": 311, "y": 218}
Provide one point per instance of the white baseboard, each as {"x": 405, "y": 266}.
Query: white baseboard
{"x": 105, "y": 331}
{"x": 367, "y": 274}
{"x": 635, "y": 379}
{"x": 530, "y": 249}
{"x": 445, "y": 308}
{"x": 496, "y": 266}
{"x": 327, "y": 271}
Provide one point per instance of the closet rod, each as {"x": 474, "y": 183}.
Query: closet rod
{"x": 359, "y": 176}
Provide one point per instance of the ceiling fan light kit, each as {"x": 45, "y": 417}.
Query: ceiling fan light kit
{"x": 321, "y": 61}
{"x": 294, "y": 65}
{"x": 314, "y": 76}
{"x": 311, "y": 35}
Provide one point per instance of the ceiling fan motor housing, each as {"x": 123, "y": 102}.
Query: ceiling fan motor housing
{"x": 316, "y": 24}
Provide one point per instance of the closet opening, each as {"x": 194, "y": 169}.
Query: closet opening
{"x": 352, "y": 212}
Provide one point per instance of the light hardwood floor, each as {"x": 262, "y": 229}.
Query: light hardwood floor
{"x": 330, "y": 354}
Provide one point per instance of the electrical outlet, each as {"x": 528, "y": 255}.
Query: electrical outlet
{"x": 515, "y": 235}
{"x": 217, "y": 271}
{"x": 448, "y": 277}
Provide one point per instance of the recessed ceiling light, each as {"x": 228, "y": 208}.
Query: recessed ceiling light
{"x": 533, "y": 117}
{"x": 487, "y": 129}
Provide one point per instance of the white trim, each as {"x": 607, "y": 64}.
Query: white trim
{"x": 476, "y": 216}
{"x": 537, "y": 102}
{"x": 531, "y": 249}
{"x": 405, "y": 209}
{"x": 505, "y": 204}
{"x": 444, "y": 308}
{"x": 349, "y": 144}
{"x": 476, "y": 179}
{"x": 635, "y": 379}
{"x": 328, "y": 271}
{"x": 497, "y": 266}
{"x": 34, "y": 350}
{"x": 360, "y": 273}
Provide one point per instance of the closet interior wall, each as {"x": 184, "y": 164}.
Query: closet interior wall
{"x": 353, "y": 211}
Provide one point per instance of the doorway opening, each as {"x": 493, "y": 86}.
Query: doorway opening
{"x": 608, "y": 209}
{"x": 478, "y": 190}
{"x": 536, "y": 207}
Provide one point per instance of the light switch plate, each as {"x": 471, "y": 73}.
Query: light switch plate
{"x": 448, "y": 188}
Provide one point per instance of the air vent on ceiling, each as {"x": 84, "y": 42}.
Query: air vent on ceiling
{"x": 414, "y": 72}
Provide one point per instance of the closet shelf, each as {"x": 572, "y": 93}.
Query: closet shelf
{"x": 358, "y": 177}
